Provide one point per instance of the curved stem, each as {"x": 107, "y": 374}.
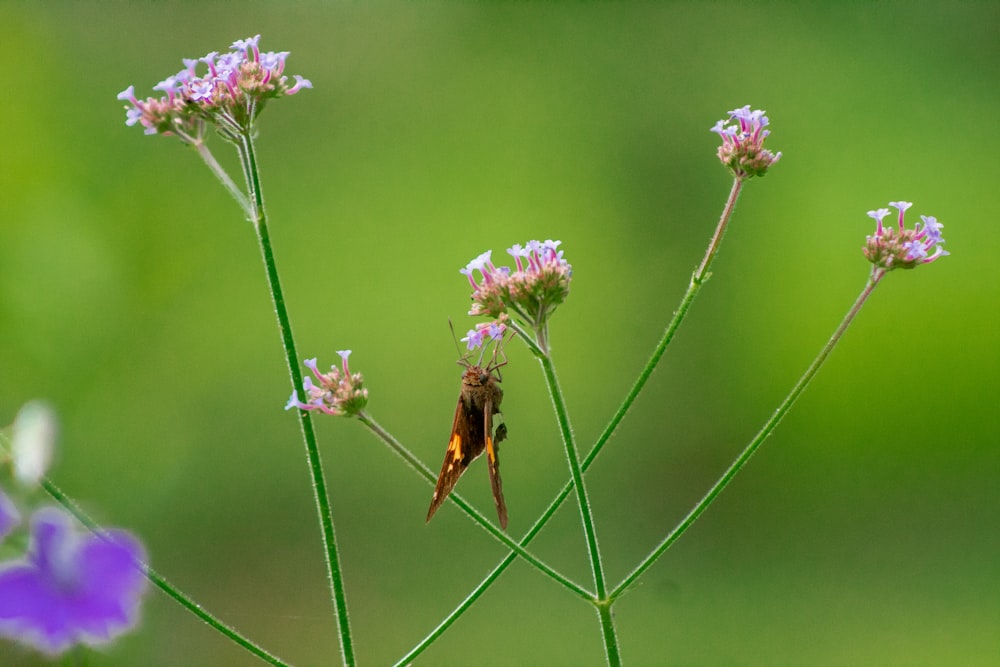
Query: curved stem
{"x": 325, "y": 514}
{"x": 749, "y": 450}
{"x": 160, "y": 582}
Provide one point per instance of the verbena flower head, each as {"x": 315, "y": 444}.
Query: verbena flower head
{"x": 742, "y": 148}
{"x": 227, "y": 91}
{"x": 72, "y": 587}
{"x": 537, "y": 284}
{"x": 339, "y": 392}
{"x": 895, "y": 247}
{"x": 33, "y": 442}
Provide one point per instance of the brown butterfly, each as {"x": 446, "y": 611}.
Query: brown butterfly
{"x": 472, "y": 433}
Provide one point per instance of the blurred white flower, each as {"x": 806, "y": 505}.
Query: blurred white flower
{"x": 33, "y": 441}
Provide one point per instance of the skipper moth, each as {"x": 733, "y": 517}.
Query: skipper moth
{"x": 472, "y": 432}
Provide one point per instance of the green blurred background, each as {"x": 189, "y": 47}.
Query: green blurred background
{"x": 865, "y": 531}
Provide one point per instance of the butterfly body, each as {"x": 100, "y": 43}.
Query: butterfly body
{"x": 472, "y": 434}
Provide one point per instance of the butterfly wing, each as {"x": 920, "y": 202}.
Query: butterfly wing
{"x": 466, "y": 443}
{"x": 493, "y": 459}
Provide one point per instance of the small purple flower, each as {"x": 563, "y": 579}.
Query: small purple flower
{"x": 247, "y": 45}
{"x": 474, "y": 338}
{"x": 300, "y": 83}
{"x": 933, "y": 228}
{"x": 485, "y": 333}
{"x": 201, "y": 90}
{"x": 896, "y": 247}
{"x": 72, "y": 587}
{"x": 496, "y": 330}
{"x": 742, "y": 148}
{"x": 9, "y": 516}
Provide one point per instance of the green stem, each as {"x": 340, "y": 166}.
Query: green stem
{"x": 606, "y": 617}
{"x": 471, "y": 511}
{"x": 702, "y": 273}
{"x": 324, "y": 512}
{"x": 586, "y": 517}
{"x": 559, "y": 404}
{"x": 157, "y": 580}
{"x": 765, "y": 431}
{"x": 220, "y": 173}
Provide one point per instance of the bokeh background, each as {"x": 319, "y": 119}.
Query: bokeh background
{"x": 132, "y": 297}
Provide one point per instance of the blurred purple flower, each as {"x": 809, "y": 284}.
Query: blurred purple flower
{"x": 72, "y": 587}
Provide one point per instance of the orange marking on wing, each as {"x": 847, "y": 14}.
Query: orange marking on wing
{"x": 455, "y": 447}
{"x": 489, "y": 450}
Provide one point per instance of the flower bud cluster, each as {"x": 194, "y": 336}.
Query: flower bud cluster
{"x": 742, "y": 148}
{"x": 538, "y": 283}
{"x": 894, "y": 247}
{"x": 338, "y": 393}
{"x": 230, "y": 94}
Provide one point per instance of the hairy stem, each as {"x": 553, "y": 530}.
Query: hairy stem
{"x": 586, "y": 516}
{"x": 315, "y": 464}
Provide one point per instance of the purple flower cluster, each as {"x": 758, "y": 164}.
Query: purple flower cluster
{"x": 895, "y": 247}
{"x": 538, "y": 283}
{"x": 339, "y": 392}
{"x": 742, "y": 148}
{"x": 230, "y": 93}
{"x": 71, "y": 587}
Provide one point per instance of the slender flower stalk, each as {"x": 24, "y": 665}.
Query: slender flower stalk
{"x": 586, "y": 515}
{"x": 315, "y": 463}
{"x": 228, "y": 92}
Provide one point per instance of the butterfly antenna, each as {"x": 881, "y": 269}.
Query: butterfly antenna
{"x": 461, "y": 356}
